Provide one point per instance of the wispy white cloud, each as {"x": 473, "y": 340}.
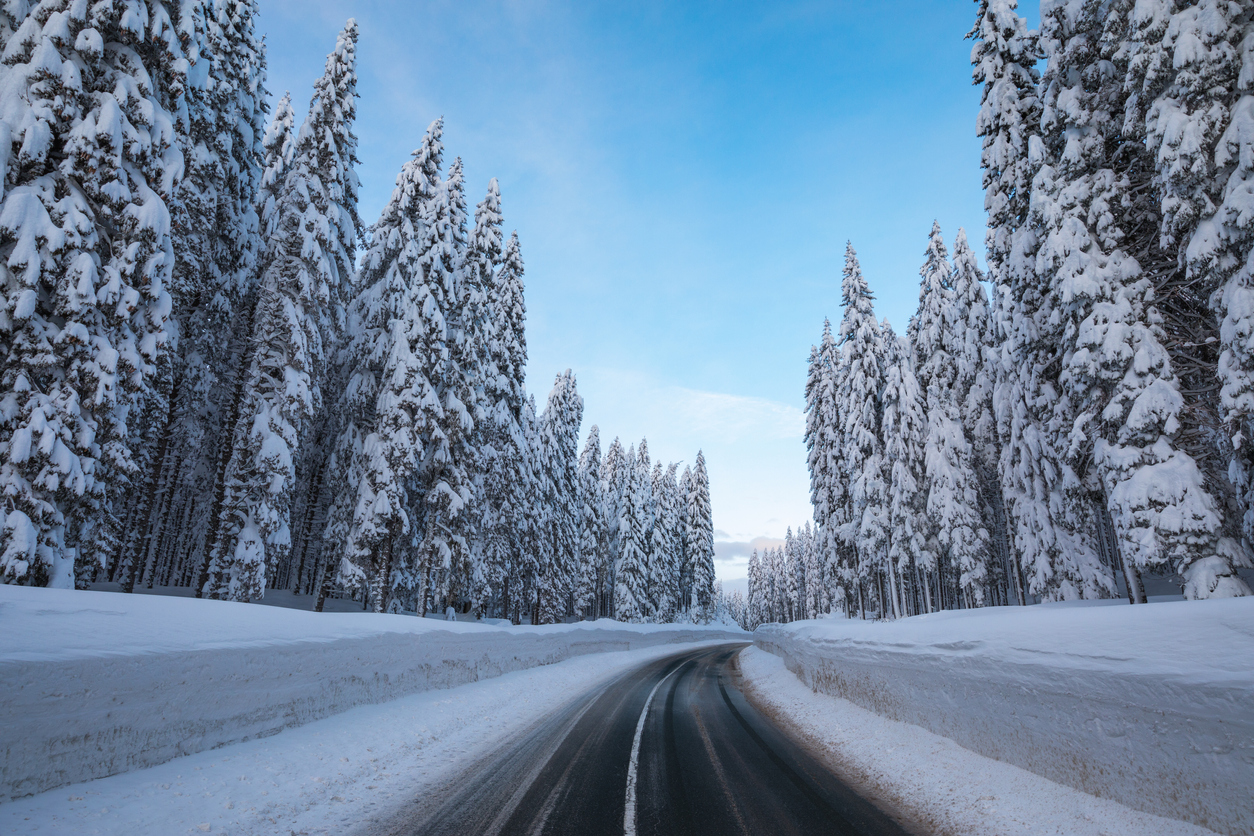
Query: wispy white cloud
{"x": 727, "y": 550}
{"x": 732, "y": 418}
{"x": 717, "y": 417}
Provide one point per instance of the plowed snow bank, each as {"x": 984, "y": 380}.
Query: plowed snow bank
{"x": 928, "y": 782}
{"x": 96, "y": 683}
{"x": 1150, "y": 706}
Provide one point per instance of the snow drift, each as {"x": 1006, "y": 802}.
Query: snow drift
{"x": 95, "y": 683}
{"x": 1150, "y": 706}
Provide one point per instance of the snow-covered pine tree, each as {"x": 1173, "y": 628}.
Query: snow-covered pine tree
{"x": 590, "y": 578}
{"x": 299, "y": 320}
{"x": 753, "y": 603}
{"x": 390, "y": 404}
{"x": 1190, "y": 70}
{"x": 631, "y": 578}
{"x": 699, "y": 536}
{"x": 823, "y": 445}
{"x": 90, "y": 102}
{"x": 684, "y": 487}
{"x": 559, "y": 440}
{"x": 1219, "y": 248}
{"x": 972, "y": 346}
{"x": 815, "y": 591}
{"x": 1004, "y": 59}
{"x": 664, "y": 568}
{"x": 532, "y": 510}
{"x": 859, "y": 407}
{"x": 614, "y": 478}
{"x": 444, "y": 492}
{"x": 216, "y": 242}
{"x": 961, "y": 541}
{"x": 648, "y": 508}
{"x": 905, "y": 436}
{"x": 477, "y": 338}
{"x": 278, "y": 150}
{"x": 505, "y": 467}
{"x": 794, "y": 561}
{"x": 1123, "y": 413}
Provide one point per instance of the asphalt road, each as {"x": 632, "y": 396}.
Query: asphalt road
{"x": 670, "y": 748}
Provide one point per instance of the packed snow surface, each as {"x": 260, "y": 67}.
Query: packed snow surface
{"x": 106, "y": 683}
{"x": 1150, "y": 706}
{"x": 930, "y": 783}
{"x": 342, "y": 774}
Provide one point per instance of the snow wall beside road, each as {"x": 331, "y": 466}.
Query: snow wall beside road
{"x": 1150, "y": 706}
{"x": 96, "y": 683}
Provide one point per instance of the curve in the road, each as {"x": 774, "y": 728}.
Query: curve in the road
{"x": 670, "y": 748}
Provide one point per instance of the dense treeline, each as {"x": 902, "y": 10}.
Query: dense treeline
{"x": 215, "y": 376}
{"x": 1090, "y": 424}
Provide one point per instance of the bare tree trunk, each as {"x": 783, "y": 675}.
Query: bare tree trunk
{"x": 323, "y": 580}
{"x": 144, "y": 514}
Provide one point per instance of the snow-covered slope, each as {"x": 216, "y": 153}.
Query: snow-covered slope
{"x": 95, "y": 683}
{"x": 1150, "y": 706}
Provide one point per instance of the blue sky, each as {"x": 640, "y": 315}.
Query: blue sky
{"x": 683, "y": 178}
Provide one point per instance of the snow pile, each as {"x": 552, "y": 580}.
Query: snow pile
{"x": 98, "y": 683}
{"x": 1150, "y": 706}
{"x": 929, "y": 783}
{"x": 358, "y": 772}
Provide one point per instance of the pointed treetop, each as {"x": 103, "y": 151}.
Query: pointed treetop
{"x": 456, "y": 187}
{"x": 486, "y": 238}
{"x": 935, "y": 274}
{"x": 854, "y": 287}
{"x": 335, "y": 93}
{"x": 857, "y": 299}
{"x": 279, "y": 142}
{"x": 936, "y": 252}
{"x": 429, "y": 157}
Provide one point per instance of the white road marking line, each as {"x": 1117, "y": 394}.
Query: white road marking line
{"x": 629, "y": 814}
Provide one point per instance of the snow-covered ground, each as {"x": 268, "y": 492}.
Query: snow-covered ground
{"x": 330, "y": 776}
{"x": 1149, "y": 706}
{"x": 96, "y": 683}
{"x": 931, "y": 784}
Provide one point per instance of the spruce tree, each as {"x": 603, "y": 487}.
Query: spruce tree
{"x": 614, "y": 475}
{"x": 859, "y": 408}
{"x": 700, "y": 537}
{"x": 667, "y": 536}
{"x": 951, "y": 481}
{"x": 815, "y": 592}
{"x": 822, "y": 439}
{"x": 93, "y": 100}
{"x": 905, "y": 437}
{"x": 753, "y": 604}
{"x": 1189, "y": 76}
{"x": 299, "y": 320}
{"x": 1005, "y": 57}
{"x": 590, "y": 578}
{"x": 1121, "y": 387}
{"x": 390, "y": 404}
{"x": 631, "y": 577}
{"x": 559, "y": 440}
{"x": 444, "y": 492}
{"x": 683, "y": 488}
